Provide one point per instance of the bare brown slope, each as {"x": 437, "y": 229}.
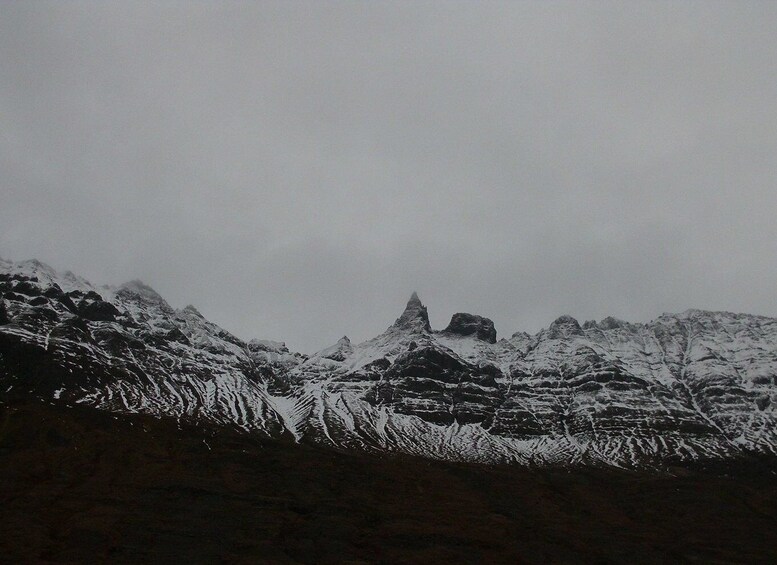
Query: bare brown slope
{"x": 77, "y": 485}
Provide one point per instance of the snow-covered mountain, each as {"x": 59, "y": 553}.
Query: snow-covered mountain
{"x": 691, "y": 386}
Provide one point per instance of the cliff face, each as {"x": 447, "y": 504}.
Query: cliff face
{"x": 696, "y": 385}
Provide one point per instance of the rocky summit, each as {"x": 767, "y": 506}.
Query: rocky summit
{"x": 682, "y": 388}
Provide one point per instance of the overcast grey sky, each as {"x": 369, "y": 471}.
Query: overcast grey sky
{"x": 296, "y": 170}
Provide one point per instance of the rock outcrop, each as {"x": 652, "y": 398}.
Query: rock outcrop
{"x": 470, "y": 324}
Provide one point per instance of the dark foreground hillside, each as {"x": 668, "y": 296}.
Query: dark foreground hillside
{"x": 80, "y": 486}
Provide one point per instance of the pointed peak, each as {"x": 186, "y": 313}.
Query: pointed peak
{"x": 611, "y": 323}
{"x": 35, "y": 268}
{"x": 138, "y": 286}
{"x": 141, "y": 290}
{"x": 415, "y": 316}
{"x": 35, "y": 264}
{"x": 340, "y": 351}
{"x": 189, "y": 309}
{"x": 565, "y": 326}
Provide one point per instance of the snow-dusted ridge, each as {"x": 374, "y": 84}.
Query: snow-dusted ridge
{"x": 683, "y": 387}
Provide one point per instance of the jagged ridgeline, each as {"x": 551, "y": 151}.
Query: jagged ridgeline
{"x": 684, "y": 387}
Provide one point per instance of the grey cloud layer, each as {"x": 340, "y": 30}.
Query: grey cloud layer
{"x": 296, "y": 170}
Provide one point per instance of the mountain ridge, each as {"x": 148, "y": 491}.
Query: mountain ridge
{"x": 683, "y": 387}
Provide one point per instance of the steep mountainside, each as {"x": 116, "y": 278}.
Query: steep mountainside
{"x": 684, "y": 387}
